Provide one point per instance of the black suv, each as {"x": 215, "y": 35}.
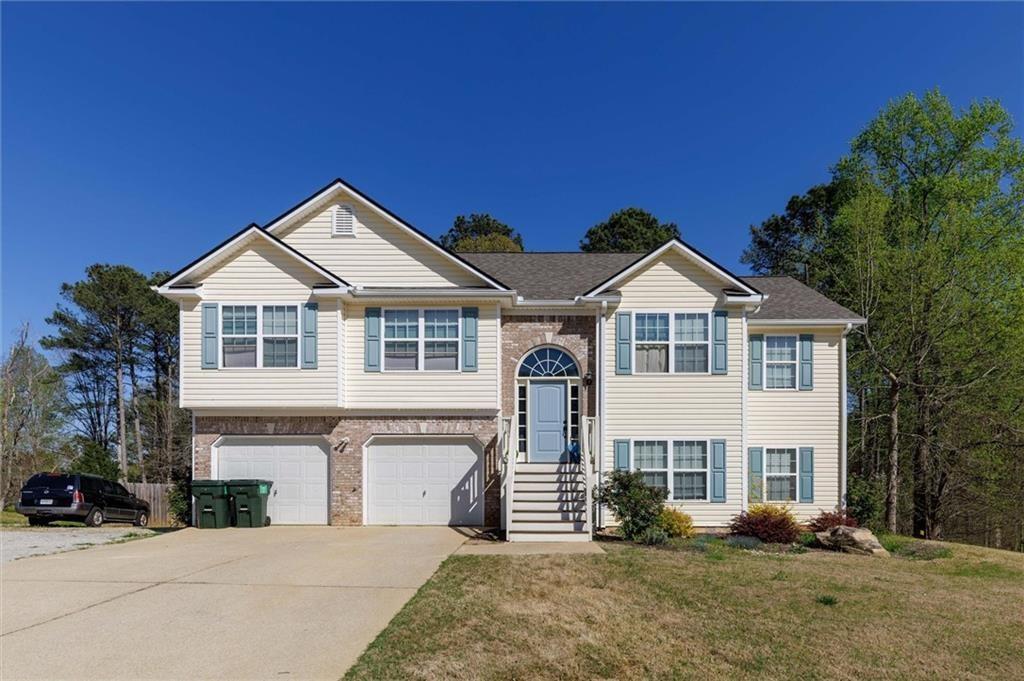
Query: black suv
{"x": 85, "y": 498}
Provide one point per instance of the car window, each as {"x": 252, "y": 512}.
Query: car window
{"x": 108, "y": 487}
{"x": 121, "y": 490}
{"x": 51, "y": 481}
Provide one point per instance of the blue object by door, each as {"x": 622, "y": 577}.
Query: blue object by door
{"x": 547, "y": 421}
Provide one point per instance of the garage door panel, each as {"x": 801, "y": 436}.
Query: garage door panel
{"x": 425, "y": 483}
{"x": 298, "y": 469}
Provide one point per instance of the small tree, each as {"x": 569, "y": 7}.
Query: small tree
{"x": 475, "y": 226}
{"x": 488, "y": 243}
{"x": 93, "y": 459}
{"x": 636, "y": 504}
{"x": 630, "y": 230}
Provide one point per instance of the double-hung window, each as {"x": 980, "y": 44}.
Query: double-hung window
{"x": 686, "y": 469}
{"x": 652, "y": 344}
{"x": 259, "y": 336}
{"x": 780, "y": 473}
{"x": 672, "y": 342}
{"x": 417, "y": 340}
{"x": 691, "y": 336}
{"x": 780, "y": 362}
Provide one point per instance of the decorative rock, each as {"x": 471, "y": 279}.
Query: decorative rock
{"x": 851, "y": 540}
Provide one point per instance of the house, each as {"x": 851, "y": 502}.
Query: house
{"x": 377, "y": 378}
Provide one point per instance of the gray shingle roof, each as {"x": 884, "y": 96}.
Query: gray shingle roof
{"x": 789, "y": 299}
{"x": 563, "y": 276}
{"x": 551, "y": 276}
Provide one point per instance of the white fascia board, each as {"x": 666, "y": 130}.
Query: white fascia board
{"x": 370, "y": 294}
{"x": 751, "y": 300}
{"x": 250, "y": 233}
{"x": 807, "y": 322}
{"x": 699, "y": 259}
{"x": 286, "y": 219}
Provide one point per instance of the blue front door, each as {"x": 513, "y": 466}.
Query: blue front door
{"x": 547, "y": 421}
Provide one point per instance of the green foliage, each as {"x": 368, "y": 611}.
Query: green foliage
{"x": 179, "y": 502}
{"x": 92, "y": 458}
{"x": 826, "y": 600}
{"x": 865, "y": 500}
{"x": 636, "y": 505}
{"x": 675, "y": 523}
{"x": 907, "y": 547}
{"x": 807, "y": 539}
{"x": 654, "y": 535}
{"x": 465, "y": 231}
{"x": 630, "y": 230}
{"x": 742, "y": 542}
{"x": 487, "y": 243}
{"x": 771, "y": 523}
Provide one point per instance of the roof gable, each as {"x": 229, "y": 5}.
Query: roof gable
{"x": 321, "y": 200}
{"x": 686, "y": 251}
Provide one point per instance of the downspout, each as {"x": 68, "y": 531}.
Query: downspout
{"x": 599, "y": 374}
{"x": 842, "y": 416}
{"x": 744, "y": 383}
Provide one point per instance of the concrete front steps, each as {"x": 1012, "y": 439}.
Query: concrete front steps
{"x": 548, "y": 504}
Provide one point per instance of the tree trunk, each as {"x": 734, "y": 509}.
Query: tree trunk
{"x": 892, "y": 488}
{"x": 137, "y": 419}
{"x": 922, "y": 459}
{"x": 122, "y": 426}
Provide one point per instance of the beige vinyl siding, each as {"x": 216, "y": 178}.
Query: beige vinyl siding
{"x": 804, "y": 418}
{"x": 665, "y": 406}
{"x": 380, "y": 254}
{"x": 431, "y": 390}
{"x": 261, "y": 273}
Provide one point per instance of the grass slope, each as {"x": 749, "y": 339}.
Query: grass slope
{"x": 717, "y": 612}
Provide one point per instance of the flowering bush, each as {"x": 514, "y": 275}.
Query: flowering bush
{"x": 770, "y": 523}
{"x": 675, "y": 523}
{"x": 826, "y": 520}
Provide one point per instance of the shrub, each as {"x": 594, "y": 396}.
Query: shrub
{"x": 634, "y": 503}
{"x": 770, "y": 523}
{"x": 179, "y": 502}
{"x": 675, "y": 523}
{"x": 865, "y": 500}
{"x": 740, "y": 541}
{"x": 807, "y": 539}
{"x": 826, "y": 520}
{"x": 653, "y": 536}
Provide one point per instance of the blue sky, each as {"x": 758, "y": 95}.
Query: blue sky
{"x": 146, "y": 133}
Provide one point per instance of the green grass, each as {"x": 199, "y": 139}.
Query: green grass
{"x": 702, "y": 609}
{"x": 914, "y": 549}
{"x": 12, "y": 519}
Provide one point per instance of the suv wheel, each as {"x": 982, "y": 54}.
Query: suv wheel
{"x": 142, "y": 519}
{"x": 95, "y": 517}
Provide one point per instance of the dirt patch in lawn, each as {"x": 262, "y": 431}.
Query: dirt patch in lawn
{"x": 664, "y": 613}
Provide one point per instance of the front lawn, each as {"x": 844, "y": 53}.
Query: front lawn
{"x": 699, "y": 610}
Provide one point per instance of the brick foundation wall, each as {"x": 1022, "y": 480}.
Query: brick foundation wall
{"x": 522, "y": 333}
{"x": 346, "y": 459}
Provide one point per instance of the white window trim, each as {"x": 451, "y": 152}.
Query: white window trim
{"x": 334, "y": 220}
{"x": 671, "y": 470}
{"x": 764, "y": 473}
{"x": 795, "y": 363}
{"x": 671, "y": 343}
{"x": 259, "y": 335}
{"x": 421, "y": 340}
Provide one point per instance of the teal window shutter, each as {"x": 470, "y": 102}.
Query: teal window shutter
{"x": 720, "y": 342}
{"x": 622, "y": 455}
{"x": 470, "y": 331}
{"x": 623, "y": 338}
{"x": 807, "y": 361}
{"x": 806, "y": 475}
{"x": 755, "y": 474}
{"x": 309, "y": 335}
{"x": 210, "y": 329}
{"x": 718, "y": 471}
{"x": 756, "y": 365}
{"x": 371, "y": 341}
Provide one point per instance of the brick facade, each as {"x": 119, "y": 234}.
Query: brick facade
{"x": 346, "y": 458}
{"x": 522, "y": 333}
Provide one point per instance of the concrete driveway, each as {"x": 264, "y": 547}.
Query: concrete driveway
{"x": 277, "y": 602}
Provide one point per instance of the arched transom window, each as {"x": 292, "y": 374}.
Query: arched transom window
{"x": 548, "y": 362}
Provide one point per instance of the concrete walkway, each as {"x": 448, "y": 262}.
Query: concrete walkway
{"x": 277, "y": 602}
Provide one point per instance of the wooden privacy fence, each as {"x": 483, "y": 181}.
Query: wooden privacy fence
{"x": 156, "y": 494}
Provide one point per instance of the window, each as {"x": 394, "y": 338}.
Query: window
{"x": 780, "y": 474}
{"x": 685, "y": 351}
{"x": 522, "y": 417}
{"x": 421, "y": 339}
{"x": 650, "y": 457}
{"x": 691, "y": 349}
{"x": 690, "y": 470}
{"x": 651, "y": 343}
{"x": 280, "y": 336}
{"x": 343, "y": 220}
{"x": 687, "y": 468}
{"x": 239, "y": 329}
{"x": 780, "y": 362}
{"x": 548, "y": 362}
{"x": 259, "y": 336}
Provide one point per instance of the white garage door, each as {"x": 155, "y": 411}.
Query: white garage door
{"x": 424, "y": 482}
{"x": 298, "y": 467}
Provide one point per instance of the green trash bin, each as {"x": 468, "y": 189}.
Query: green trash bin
{"x": 212, "y": 503}
{"x": 250, "y": 502}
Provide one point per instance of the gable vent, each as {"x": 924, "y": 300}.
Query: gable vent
{"x": 343, "y": 221}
